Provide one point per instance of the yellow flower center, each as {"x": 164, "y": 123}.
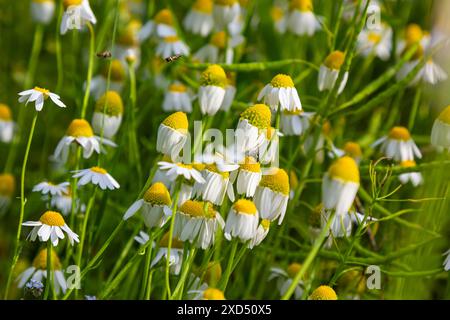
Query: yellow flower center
{"x": 198, "y": 166}
{"x": 265, "y": 224}
{"x": 40, "y": 261}
{"x": 204, "y": 6}
{"x": 158, "y": 194}
{"x": 282, "y": 81}
{"x": 213, "y": 271}
{"x": 292, "y": 113}
{"x": 225, "y": 2}
{"x": 399, "y": 133}
{"x": 345, "y": 168}
{"x": 276, "y": 13}
{"x": 164, "y": 242}
{"x": 374, "y": 37}
{"x": 293, "y": 179}
{"x": 44, "y": 92}
{"x": 302, "y": 5}
{"x": 7, "y": 184}
{"x": 277, "y": 182}
{"x": 413, "y": 33}
{"x": 213, "y": 168}
{"x": 171, "y": 39}
{"x": 408, "y": 163}
{"x": 445, "y": 115}
{"x": 117, "y": 71}
{"x": 69, "y": 3}
{"x": 353, "y": 149}
{"x": 128, "y": 37}
{"x": 214, "y": 75}
{"x": 323, "y": 293}
{"x": 80, "y": 128}
{"x": 176, "y": 121}
{"x": 177, "y": 87}
{"x": 198, "y": 209}
{"x": 52, "y": 218}
{"x": 212, "y": 293}
{"x": 5, "y": 112}
{"x": 335, "y": 60}
{"x": 250, "y": 164}
{"x": 293, "y": 269}
{"x": 219, "y": 39}
{"x": 245, "y": 206}
{"x": 98, "y": 170}
{"x": 110, "y": 103}
{"x": 258, "y": 116}
{"x": 164, "y": 17}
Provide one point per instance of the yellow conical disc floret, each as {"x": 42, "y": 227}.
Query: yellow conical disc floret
{"x": 110, "y": 103}
{"x": 117, "y": 71}
{"x": 265, "y": 223}
{"x": 335, "y": 60}
{"x": 158, "y": 194}
{"x": 399, "y": 133}
{"x": 5, "y": 112}
{"x": 225, "y": 2}
{"x": 177, "y": 87}
{"x": 302, "y": 5}
{"x": 352, "y": 149}
{"x": 245, "y": 206}
{"x": 250, "y": 164}
{"x": 164, "y": 17}
{"x": 413, "y": 33}
{"x": 44, "y": 92}
{"x": 344, "y": 168}
{"x": 293, "y": 269}
{"x": 80, "y": 128}
{"x": 278, "y": 181}
{"x": 282, "y": 81}
{"x": 52, "y": 218}
{"x": 276, "y": 13}
{"x": 98, "y": 170}
{"x": 444, "y": 116}
{"x": 219, "y": 39}
{"x": 258, "y": 116}
{"x": 214, "y": 75}
{"x": 40, "y": 261}
{"x": 69, "y": 3}
{"x": 198, "y": 209}
{"x": 177, "y": 121}
{"x": 204, "y": 6}
{"x": 171, "y": 39}
{"x": 7, "y": 184}
{"x": 164, "y": 242}
{"x": 128, "y": 37}
{"x": 408, "y": 163}
{"x": 323, "y": 293}
{"x": 213, "y": 272}
{"x": 213, "y": 294}
{"x": 213, "y": 168}
{"x": 374, "y": 37}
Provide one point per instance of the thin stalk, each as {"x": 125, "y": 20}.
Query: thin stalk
{"x": 90, "y": 70}
{"x": 226, "y": 277}
{"x": 148, "y": 260}
{"x": 415, "y": 108}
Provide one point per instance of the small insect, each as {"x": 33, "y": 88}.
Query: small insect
{"x": 104, "y": 54}
{"x": 173, "y": 58}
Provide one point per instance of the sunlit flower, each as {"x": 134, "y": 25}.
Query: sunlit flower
{"x": 342, "y": 225}
{"x": 212, "y": 89}
{"x": 323, "y": 293}
{"x": 440, "y": 134}
{"x": 252, "y": 127}
{"x": 398, "y": 145}
{"x": 279, "y": 17}
{"x": 97, "y": 176}
{"x": 285, "y": 278}
{"x": 170, "y": 46}
{"x": 217, "y": 185}
{"x": 107, "y": 117}
{"x": 172, "y": 134}
{"x": 163, "y": 25}
{"x": 127, "y": 44}
{"x": 6, "y": 124}
{"x": 267, "y": 152}
{"x": 177, "y": 98}
{"x": 351, "y": 149}
{"x": 117, "y": 79}
{"x": 50, "y": 227}
{"x": 52, "y": 189}
{"x": 219, "y": 48}
{"x": 38, "y": 96}
{"x": 63, "y": 203}
{"x": 199, "y": 19}
{"x": 176, "y": 253}
{"x": 208, "y": 294}
{"x": 302, "y": 20}
{"x": 230, "y": 92}
{"x": 175, "y": 170}
{"x": 281, "y": 92}
{"x": 225, "y": 11}
{"x": 329, "y": 72}
{"x": 242, "y": 221}
{"x": 42, "y": 11}
{"x": 77, "y": 13}
{"x": 414, "y": 177}
{"x": 446, "y": 263}
{"x": 248, "y": 177}
{"x": 413, "y": 34}
{"x": 261, "y": 233}
{"x": 376, "y": 41}
{"x": 7, "y": 188}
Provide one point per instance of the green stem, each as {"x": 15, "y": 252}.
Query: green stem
{"x": 414, "y": 109}
{"x": 148, "y": 259}
{"x": 49, "y": 282}
{"x": 226, "y": 277}
{"x": 90, "y": 70}
{"x": 59, "y": 61}
{"x": 178, "y": 292}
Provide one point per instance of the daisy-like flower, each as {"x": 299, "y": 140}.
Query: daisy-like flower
{"x": 302, "y": 20}
{"x": 248, "y": 177}
{"x": 279, "y": 17}
{"x": 80, "y": 132}
{"x": 224, "y": 12}
{"x": 97, "y": 176}
{"x": 51, "y": 226}
{"x": 413, "y": 34}
{"x": 63, "y": 203}
{"x": 323, "y": 293}
{"x": 46, "y": 187}
{"x": 107, "y": 116}
{"x": 117, "y": 79}
{"x": 77, "y": 13}
{"x": 175, "y": 170}
{"x": 217, "y": 185}
{"x": 342, "y": 225}
{"x": 281, "y": 92}
{"x": 267, "y": 152}
{"x": 212, "y": 89}
{"x": 398, "y": 145}
{"x": 6, "y": 124}
{"x": 170, "y": 46}
{"x": 329, "y": 72}
{"x": 42, "y": 11}
{"x": 230, "y": 93}
{"x": 252, "y": 127}
{"x": 162, "y": 25}
{"x": 197, "y": 222}
{"x": 177, "y": 98}
{"x": 176, "y": 253}
{"x": 127, "y": 44}
{"x": 220, "y": 45}
{"x": 155, "y": 206}
{"x": 285, "y": 278}
{"x": 351, "y": 149}
{"x": 199, "y": 19}
{"x": 295, "y": 123}
{"x": 440, "y": 134}
{"x": 261, "y": 233}
{"x": 7, "y": 188}
{"x": 340, "y": 185}
{"x": 38, "y": 96}
{"x": 272, "y": 195}
{"x": 242, "y": 221}
{"x": 446, "y": 263}
{"x": 414, "y": 177}
{"x": 376, "y": 41}
{"x": 38, "y": 271}
{"x": 208, "y": 294}
{"x": 172, "y": 134}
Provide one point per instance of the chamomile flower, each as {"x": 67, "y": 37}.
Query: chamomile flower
{"x": 162, "y": 25}
{"x": 212, "y": 89}
{"x": 176, "y": 253}
{"x": 413, "y": 34}
{"x": 340, "y": 185}
{"x": 251, "y": 127}
{"x": 248, "y": 177}
{"x": 199, "y": 19}
{"x": 285, "y": 278}
{"x": 127, "y": 44}
{"x": 295, "y": 123}
{"x": 63, "y": 203}
{"x": 219, "y": 48}
{"x": 440, "y": 134}
{"x": 342, "y": 225}
{"x": 81, "y": 133}
{"x": 6, "y": 124}
{"x": 352, "y": 149}
{"x": 398, "y": 145}
{"x": 38, "y": 96}
{"x": 50, "y": 227}
{"x": 261, "y": 233}
{"x": 224, "y": 12}
{"x": 279, "y": 17}
{"x": 155, "y": 206}
{"x": 107, "y": 117}
{"x": 97, "y": 176}
{"x": 281, "y": 92}
{"x": 77, "y": 13}
{"x": 302, "y": 20}
{"x": 376, "y": 41}
{"x": 172, "y": 134}
{"x": 38, "y": 271}
{"x": 267, "y": 152}
{"x": 197, "y": 222}
{"x": 177, "y": 98}
{"x": 175, "y": 170}
{"x": 230, "y": 93}
{"x": 42, "y": 11}
{"x": 323, "y": 293}
{"x": 272, "y": 195}
{"x": 117, "y": 79}
{"x": 217, "y": 185}
{"x": 208, "y": 294}
{"x": 242, "y": 221}
{"x": 7, "y": 188}
{"x": 414, "y": 177}
{"x": 329, "y": 72}
{"x": 170, "y": 46}
{"x": 46, "y": 188}
{"x": 446, "y": 263}
{"x": 142, "y": 238}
